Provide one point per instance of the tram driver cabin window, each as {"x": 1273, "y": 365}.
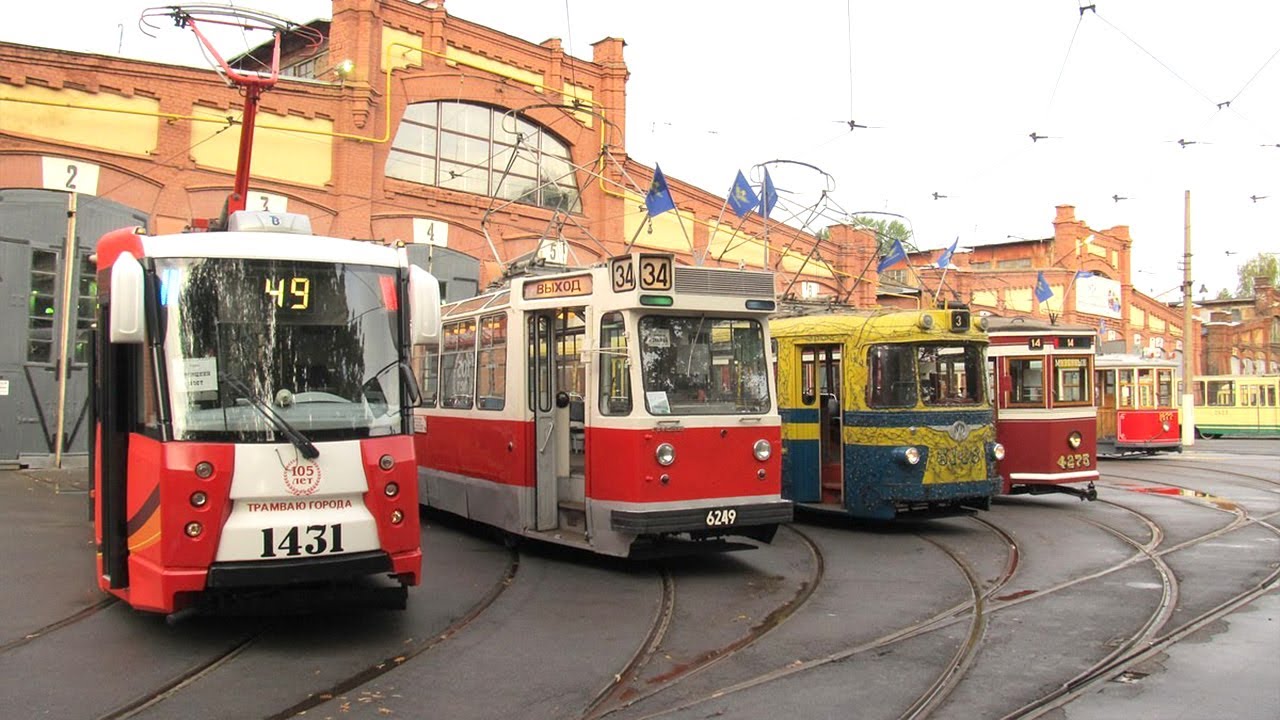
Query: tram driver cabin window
{"x": 950, "y": 374}
{"x": 1026, "y": 380}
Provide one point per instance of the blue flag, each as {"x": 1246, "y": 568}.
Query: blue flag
{"x": 896, "y": 255}
{"x": 1043, "y": 291}
{"x": 658, "y": 200}
{"x": 742, "y": 199}
{"x": 945, "y": 258}
{"x": 770, "y": 196}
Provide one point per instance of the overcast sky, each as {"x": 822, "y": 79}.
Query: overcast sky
{"x": 950, "y": 92}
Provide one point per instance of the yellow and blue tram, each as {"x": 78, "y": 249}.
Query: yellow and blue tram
{"x": 886, "y": 413}
{"x": 1237, "y": 405}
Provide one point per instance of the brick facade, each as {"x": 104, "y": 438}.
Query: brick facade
{"x": 1078, "y": 263}
{"x": 1242, "y": 335}
{"x": 163, "y": 140}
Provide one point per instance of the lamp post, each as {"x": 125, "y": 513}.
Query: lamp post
{"x": 1188, "y": 334}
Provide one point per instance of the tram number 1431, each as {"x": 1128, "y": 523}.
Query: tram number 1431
{"x": 311, "y": 540}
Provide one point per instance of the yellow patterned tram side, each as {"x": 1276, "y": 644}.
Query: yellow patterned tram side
{"x": 886, "y": 413}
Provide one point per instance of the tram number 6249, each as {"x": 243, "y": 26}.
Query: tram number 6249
{"x": 322, "y": 539}
{"x": 722, "y": 517}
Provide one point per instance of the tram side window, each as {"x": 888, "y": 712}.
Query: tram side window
{"x": 1124, "y": 385}
{"x": 426, "y": 363}
{"x": 1222, "y": 393}
{"x": 571, "y": 372}
{"x": 615, "y": 378}
{"x": 1271, "y": 395}
{"x": 1164, "y": 388}
{"x": 1146, "y": 388}
{"x": 1070, "y": 380}
{"x": 457, "y": 364}
{"x": 1027, "y": 379}
{"x": 891, "y": 376}
{"x": 491, "y": 363}
{"x": 808, "y": 378}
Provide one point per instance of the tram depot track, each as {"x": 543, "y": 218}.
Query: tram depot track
{"x": 1151, "y": 636}
{"x": 619, "y": 694}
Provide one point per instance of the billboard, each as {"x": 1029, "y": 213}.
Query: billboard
{"x": 1097, "y": 295}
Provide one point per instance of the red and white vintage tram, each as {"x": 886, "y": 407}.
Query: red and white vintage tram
{"x": 626, "y": 409}
{"x": 1137, "y": 409}
{"x": 252, "y": 405}
{"x": 1042, "y": 376}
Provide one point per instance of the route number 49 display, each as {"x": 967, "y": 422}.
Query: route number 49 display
{"x": 296, "y": 541}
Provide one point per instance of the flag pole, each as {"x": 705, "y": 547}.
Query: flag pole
{"x": 941, "y": 281}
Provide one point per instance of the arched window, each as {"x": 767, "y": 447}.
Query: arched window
{"x": 482, "y": 150}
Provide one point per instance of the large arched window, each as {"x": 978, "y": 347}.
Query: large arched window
{"x": 482, "y": 150}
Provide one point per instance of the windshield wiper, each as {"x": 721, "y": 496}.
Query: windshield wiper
{"x": 300, "y": 441}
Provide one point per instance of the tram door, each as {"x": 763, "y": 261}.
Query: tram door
{"x": 821, "y": 365}
{"x": 557, "y": 379}
{"x": 1105, "y": 389}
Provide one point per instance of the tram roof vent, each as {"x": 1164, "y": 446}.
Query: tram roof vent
{"x": 266, "y": 221}
{"x": 719, "y": 281}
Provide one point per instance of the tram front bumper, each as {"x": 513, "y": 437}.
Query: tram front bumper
{"x": 720, "y": 519}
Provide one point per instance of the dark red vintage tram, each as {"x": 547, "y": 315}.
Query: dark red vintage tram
{"x": 1042, "y": 374}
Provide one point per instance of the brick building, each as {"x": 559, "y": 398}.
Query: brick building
{"x": 1087, "y": 270}
{"x": 1242, "y": 335}
{"x": 405, "y": 124}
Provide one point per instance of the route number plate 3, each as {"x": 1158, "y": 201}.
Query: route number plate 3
{"x": 717, "y": 518}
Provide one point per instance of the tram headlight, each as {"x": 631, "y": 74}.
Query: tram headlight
{"x": 997, "y": 451}
{"x": 908, "y": 455}
{"x": 1074, "y": 439}
{"x": 762, "y": 450}
{"x": 204, "y": 469}
{"x": 199, "y": 499}
{"x": 665, "y": 454}
{"x": 1165, "y": 426}
{"x": 926, "y": 321}
{"x": 193, "y": 529}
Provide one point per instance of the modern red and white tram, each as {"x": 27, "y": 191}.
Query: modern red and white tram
{"x": 1042, "y": 376}
{"x": 252, "y": 405}
{"x": 625, "y": 409}
{"x": 1137, "y": 410}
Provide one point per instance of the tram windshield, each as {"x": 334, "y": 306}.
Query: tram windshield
{"x": 703, "y": 365}
{"x": 902, "y": 375}
{"x": 316, "y": 342}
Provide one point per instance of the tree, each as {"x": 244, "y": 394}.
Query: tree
{"x": 1262, "y": 264}
{"x": 886, "y": 232}
{"x": 1224, "y": 294}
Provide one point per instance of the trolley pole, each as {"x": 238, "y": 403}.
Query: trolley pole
{"x": 1188, "y": 333}
{"x": 64, "y": 357}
